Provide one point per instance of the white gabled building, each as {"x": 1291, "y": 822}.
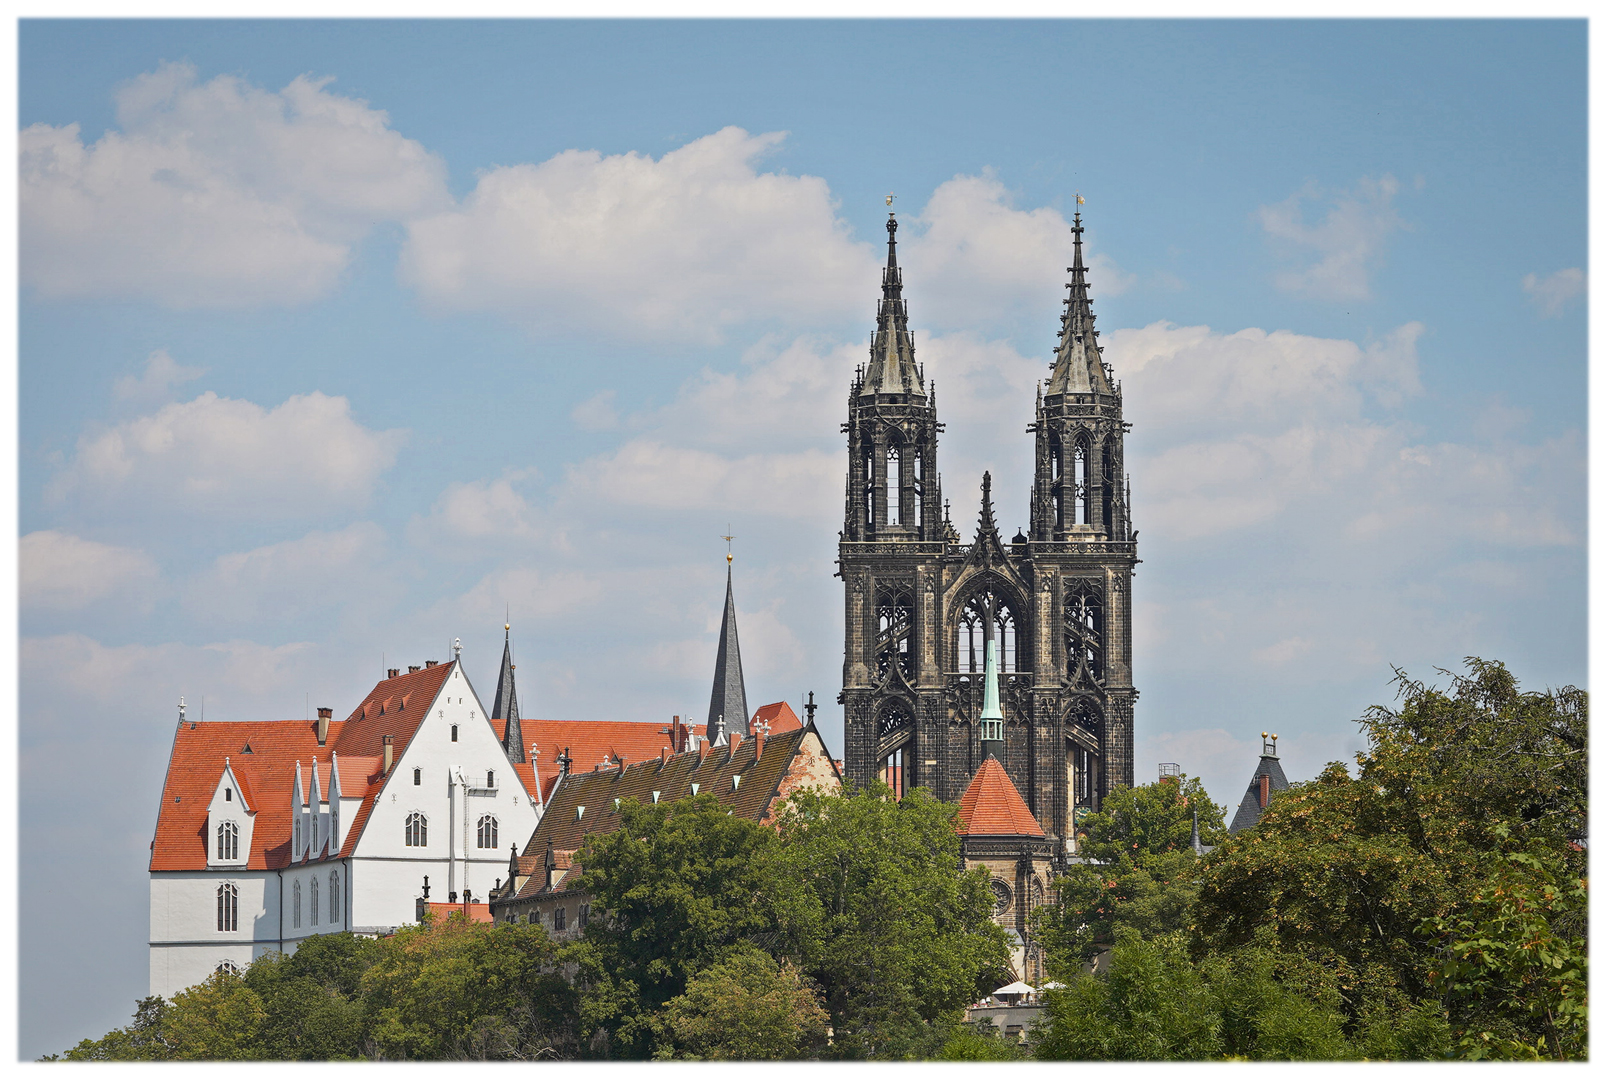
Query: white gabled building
{"x": 272, "y": 831}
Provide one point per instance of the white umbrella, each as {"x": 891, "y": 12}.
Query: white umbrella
{"x": 1015, "y": 988}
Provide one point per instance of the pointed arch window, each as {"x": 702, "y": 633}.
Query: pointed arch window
{"x": 312, "y": 897}
{"x": 295, "y": 905}
{"x": 228, "y": 841}
{"x": 1057, "y": 479}
{"x": 895, "y": 486}
{"x": 896, "y": 723}
{"x": 228, "y": 908}
{"x": 417, "y": 832}
{"x": 227, "y": 967}
{"x": 917, "y": 514}
{"x": 895, "y": 630}
{"x": 1107, "y": 484}
{"x": 334, "y": 899}
{"x": 1079, "y": 479}
{"x": 869, "y": 492}
{"x": 1085, "y": 632}
{"x": 486, "y": 835}
{"x": 974, "y": 619}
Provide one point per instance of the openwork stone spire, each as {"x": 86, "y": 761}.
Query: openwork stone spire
{"x": 507, "y": 702}
{"x": 728, "y": 704}
{"x": 1078, "y": 368}
{"x": 892, "y": 367}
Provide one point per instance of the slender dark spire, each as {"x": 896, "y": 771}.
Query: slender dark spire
{"x": 728, "y": 703}
{"x": 1078, "y": 368}
{"x": 985, "y": 522}
{"x": 507, "y": 702}
{"x": 892, "y": 352}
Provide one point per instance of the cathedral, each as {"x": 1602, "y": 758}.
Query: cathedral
{"x": 924, "y": 607}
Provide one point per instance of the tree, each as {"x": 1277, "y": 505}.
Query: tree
{"x": 1144, "y": 874}
{"x": 461, "y": 990}
{"x": 217, "y": 1020}
{"x": 747, "y": 1008}
{"x": 980, "y": 1041}
{"x": 304, "y": 1020}
{"x": 143, "y": 1040}
{"x": 903, "y": 937}
{"x": 1376, "y": 876}
{"x": 677, "y": 886}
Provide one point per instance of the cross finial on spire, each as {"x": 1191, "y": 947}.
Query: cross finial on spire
{"x": 728, "y": 538}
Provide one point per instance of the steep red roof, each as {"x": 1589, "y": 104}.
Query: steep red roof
{"x": 394, "y": 707}
{"x": 991, "y": 805}
{"x": 779, "y": 716}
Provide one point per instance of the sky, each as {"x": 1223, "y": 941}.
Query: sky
{"x": 342, "y": 340}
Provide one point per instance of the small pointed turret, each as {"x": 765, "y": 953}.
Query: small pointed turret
{"x": 892, "y": 352}
{"x": 1078, "y": 368}
{"x": 992, "y": 718}
{"x": 728, "y": 703}
{"x": 985, "y": 524}
{"x": 507, "y": 701}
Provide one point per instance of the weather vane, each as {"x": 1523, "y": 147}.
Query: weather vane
{"x": 728, "y": 540}
{"x": 890, "y": 197}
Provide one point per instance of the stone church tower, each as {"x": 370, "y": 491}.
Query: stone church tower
{"x": 922, "y": 605}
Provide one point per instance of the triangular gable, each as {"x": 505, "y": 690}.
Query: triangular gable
{"x": 992, "y": 806}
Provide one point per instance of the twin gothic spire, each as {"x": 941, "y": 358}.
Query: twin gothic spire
{"x": 1078, "y": 368}
{"x": 892, "y": 367}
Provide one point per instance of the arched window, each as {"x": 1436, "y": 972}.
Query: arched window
{"x": 227, "y": 967}
{"x": 972, "y": 644}
{"x": 1079, "y": 477}
{"x": 895, "y": 621}
{"x": 334, "y": 899}
{"x": 486, "y": 835}
{"x": 895, "y": 515}
{"x": 418, "y": 833}
{"x": 228, "y": 907}
{"x": 1107, "y": 485}
{"x": 312, "y": 897}
{"x": 295, "y": 905}
{"x": 490, "y": 780}
{"x": 418, "y": 777}
{"x": 1085, "y": 631}
{"x": 1056, "y": 471}
{"x": 454, "y": 733}
{"x": 228, "y": 841}
{"x": 893, "y": 770}
{"x": 869, "y": 459}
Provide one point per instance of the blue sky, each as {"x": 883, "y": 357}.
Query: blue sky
{"x": 338, "y": 338}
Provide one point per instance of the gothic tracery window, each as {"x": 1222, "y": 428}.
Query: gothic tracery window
{"x": 486, "y": 834}
{"x": 895, "y": 623}
{"x": 228, "y": 907}
{"x": 1079, "y": 477}
{"x": 334, "y": 899}
{"x": 893, "y": 769}
{"x": 1107, "y": 469}
{"x": 228, "y": 841}
{"x": 895, "y": 508}
{"x": 972, "y": 643}
{"x": 295, "y": 905}
{"x": 312, "y": 895}
{"x": 417, "y": 830}
{"x": 1085, "y": 631}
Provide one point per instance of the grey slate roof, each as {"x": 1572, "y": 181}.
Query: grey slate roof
{"x": 1078, "y": 368}
{"x": 892, "y": 367}
{"x": 506, "y": 706}
{"x": 729, "y": 698}
{"x": 1250, "y": 808}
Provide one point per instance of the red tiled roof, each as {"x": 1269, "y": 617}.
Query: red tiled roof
{"x": 779, "y": 716}
{"x": 474, "y": 912}
{"x": 991, "y": 805}
{"x": 394, "y": 707}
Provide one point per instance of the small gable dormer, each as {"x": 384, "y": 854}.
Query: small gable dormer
{"x": 335, "y": 836}
{"x": 317, "y": 816}
{"x": 229, "y": 820}
{"x": 298, "y": 818}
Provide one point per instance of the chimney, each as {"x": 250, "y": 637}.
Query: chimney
{"x": 412, "y": 668}
{"x": 734, "y": 740}
{"x": 391, "y": 673}
{"x": 324, "y": 714}
{"x": 758, "y": 741}
{"x": 563, "y": 762}
{"x": 430, "y": 663}
{"x": 1266, "y": 789}
{"x": 663, "y": 755}
{"x": 389, "y": 750}
{"x": 549, "y": 864}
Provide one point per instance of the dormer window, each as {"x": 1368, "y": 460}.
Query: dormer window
{"x": 228, "y": 841}
{"x": 228, "y": 794}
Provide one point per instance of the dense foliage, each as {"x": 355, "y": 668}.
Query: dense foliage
{"x": 1432, "y": 905}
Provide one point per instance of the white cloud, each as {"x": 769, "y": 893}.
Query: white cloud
{"x": 62, "y": 572}
{"x": 479, "y": 512}
{"x": 596, "y": 413}
{"x": 1552, "y": 292}
{"x": 1348, "y": 243}
{"x": 222, "y": 455}
{"x": 162, "y": 374}
{"x": 648, "y": 472}
{"x": 118, "y": 675}
{"x": 1222, "y": 760}
{"x": 682, "y": 246}
{"x": 320, "y": 573}
{"x": 215, "y": 194}
{"x": 529, "y": 592}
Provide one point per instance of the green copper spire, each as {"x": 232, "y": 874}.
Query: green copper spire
{"x": 992, "y": 718}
